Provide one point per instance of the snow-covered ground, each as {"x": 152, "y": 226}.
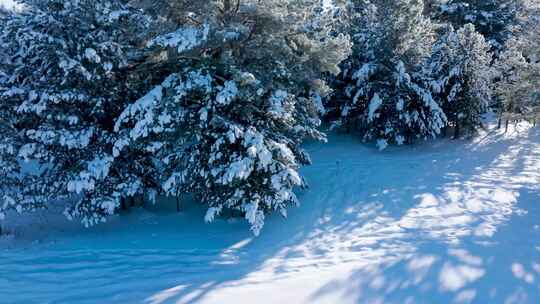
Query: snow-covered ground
{"x": 443, "y": 222}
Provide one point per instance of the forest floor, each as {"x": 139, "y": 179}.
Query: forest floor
{"x": 442, "y": 222}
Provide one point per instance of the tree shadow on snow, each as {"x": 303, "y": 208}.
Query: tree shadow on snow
{"x": 471, "y": 239}
{"x": 425, "y": 224}
{"x": 417, "y": 225}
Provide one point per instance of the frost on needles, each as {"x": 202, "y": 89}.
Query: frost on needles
{"x": 67, "y": 78}
{"x": 381, "y": 90}
{"x": 211, "y": 98}
{"x": 228, "y": 125}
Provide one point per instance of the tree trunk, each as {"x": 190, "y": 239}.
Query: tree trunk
{"x": 227, "y": 6}
{"x": 456, "y": 131}
{"x": 123, "y": 205}
{"x": 132, "y": 202}
{"x": 506, "y": 127}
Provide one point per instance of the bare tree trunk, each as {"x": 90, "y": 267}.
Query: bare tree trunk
{"x": 506, "y": 127}
{"x": 123, "y": 205}
{"x": 178, "y": 200}
{"x": 456, "y": 131}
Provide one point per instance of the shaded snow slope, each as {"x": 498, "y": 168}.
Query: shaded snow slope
{"x": 444, "y": 222}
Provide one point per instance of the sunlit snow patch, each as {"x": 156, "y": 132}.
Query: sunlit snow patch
{"x": 10, "y": 5}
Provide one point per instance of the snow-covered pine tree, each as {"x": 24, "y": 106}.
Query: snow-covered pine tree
{"x": 227, "y": 126}
{"x": 66, "y": 80}
{"x": 491, "y": 18}
{"x": 518, "y": 85}
{"x": 381, "y": 91}
{"x": 518, "y": 68}
{"x": 461, "y": 76}
{"x": 13, "y": 196}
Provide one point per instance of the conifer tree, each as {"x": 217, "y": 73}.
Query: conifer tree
{"x": 461, "y": 77}
{"x": 518, "y": 68}
{"x": 227, "y": 125}
{"x": 66, "y": 80}
{"x": 491, "y": 18}
{"x": 382, "y": 91}
{"x": 14, "y": 186}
